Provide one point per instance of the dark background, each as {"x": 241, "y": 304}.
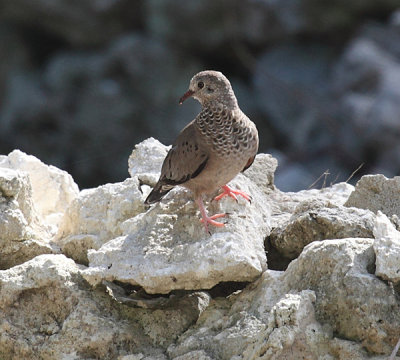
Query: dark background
{"x": 83, "y": 81}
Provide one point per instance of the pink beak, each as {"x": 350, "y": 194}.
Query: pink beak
{"x": 187, "y": 94}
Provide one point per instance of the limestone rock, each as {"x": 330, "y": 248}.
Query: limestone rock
{"x": 377, "y": 192}
{"x": 325, "y": 296}
{"x": 329, "y": 303}
{"x": 70, "y": 316}
{"x": 52, "y": 189}
{"x": 313, "y": 221}
{"x": 262, "y": 172}
{"x": 22, "y": 236}
{"x": 284, "y": 204}
{"x": 346, "y": 290}
{"x": 97, "y": 216}
{"x": 166, "y": 248}
{"x": 387, "y": 249}
{"x": 138, "y": 162}
{"x": 48, "y": 312}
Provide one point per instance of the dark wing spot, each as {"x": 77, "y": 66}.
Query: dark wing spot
{"x": 200, "y": 168}
{"x": 171, "y": 182}
{"x": 251, "y": 160}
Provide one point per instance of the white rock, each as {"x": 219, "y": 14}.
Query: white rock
{"x": 328, "y": 304}
{"x": 377, "y": 192}
{"x": 284, "y": 204}
{"x": 387, "y": 249}
{"x": 47, "y": 311}
{"x": 96, "y": 216}
{"x": 166, "y": 248}
{"x": 298, "y": 314}
{"x": 146, "y": 160}
{"x": 52, "y": 189}
{"x": 262, "y": 172}
{"x": 314, "y": 221}
{"x": 22, "y": 236}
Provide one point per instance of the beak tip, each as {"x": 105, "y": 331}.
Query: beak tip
{"x": 185, "y": 96}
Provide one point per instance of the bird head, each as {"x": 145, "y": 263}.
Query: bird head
{"x": 210, "y": 87}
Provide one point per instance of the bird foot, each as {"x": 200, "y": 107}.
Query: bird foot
{"x": 210, "y": 220}
{"x": 227, "y": 191}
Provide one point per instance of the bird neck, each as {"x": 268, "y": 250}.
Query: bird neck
{"x": 228, "y": 101}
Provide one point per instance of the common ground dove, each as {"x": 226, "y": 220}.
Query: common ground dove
{"x": 212, "y": 149}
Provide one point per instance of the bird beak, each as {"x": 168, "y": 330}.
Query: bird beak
{"x": 187, "y": 94}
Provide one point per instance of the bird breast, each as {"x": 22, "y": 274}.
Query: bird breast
{"x": 231, "y": 139}
{"x": 228, "y": 133}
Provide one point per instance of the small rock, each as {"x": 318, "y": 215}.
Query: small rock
{"x": 262, "y": 172}
{"x": 96, "y": 215}
{"x": 140, "y": 165}
{"x": 22, "y": 235}
{"x": 312, "y": 221}
{"x": 341, "y": 273}
{"x": 52, "y": 189}
{"x": 387, "y": 249}
{"x": 377, "y": 192}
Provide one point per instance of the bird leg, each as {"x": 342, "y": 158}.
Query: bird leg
{"x": 208, "y": 219}
{"x": 227, "y": 191}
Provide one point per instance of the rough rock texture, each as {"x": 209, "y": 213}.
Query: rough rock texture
{"x": 166, "y": 248}
{"x": 314, "y": 220}
{"x": 387, "y": 249}
{"x": 377, "y": 192}
{"x": 52, "y": 189}
{"x": 305, "y": 312}
{"x": 212, "y": 296}
{"x": 48, "y": 312}
{"x": 22, "y": 235}
{"x": 96, "y": 216}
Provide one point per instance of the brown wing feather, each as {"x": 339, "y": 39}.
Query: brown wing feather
{"x": 186, "y": 159}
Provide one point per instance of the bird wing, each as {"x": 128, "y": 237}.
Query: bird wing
{"x": 186, "y": 159}
{"x": 249, "y": 163}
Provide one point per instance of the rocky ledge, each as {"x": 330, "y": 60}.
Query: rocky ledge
{"x": 94, "y": 274}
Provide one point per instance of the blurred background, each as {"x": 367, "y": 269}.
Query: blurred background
{"x": 83, "y": 81}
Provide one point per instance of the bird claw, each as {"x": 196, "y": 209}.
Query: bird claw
{"x": 210, "y": 220}
{"x": 227, "y": 191}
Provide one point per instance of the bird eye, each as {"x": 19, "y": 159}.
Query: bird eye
{"x": 200, "y": 84}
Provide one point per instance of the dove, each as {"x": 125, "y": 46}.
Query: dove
{"x": 212, "y": 149}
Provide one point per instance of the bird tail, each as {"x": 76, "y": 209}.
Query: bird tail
{"x": 159, "y": 191}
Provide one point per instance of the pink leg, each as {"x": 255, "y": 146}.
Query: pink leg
{"x": 227, "y": 191}
{"x": 208, "y": 219}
